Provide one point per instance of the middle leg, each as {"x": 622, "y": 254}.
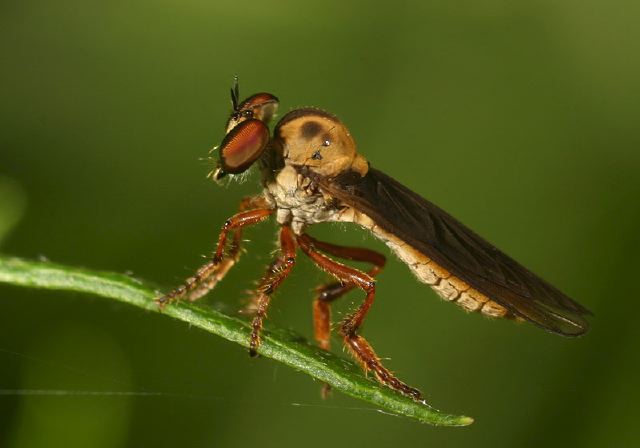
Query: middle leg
{"x": 277, "y": 272}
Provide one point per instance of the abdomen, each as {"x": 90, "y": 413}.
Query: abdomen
{"x": 446, "y": 285}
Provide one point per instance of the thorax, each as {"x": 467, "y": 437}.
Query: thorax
{"x": 299, "y": 202}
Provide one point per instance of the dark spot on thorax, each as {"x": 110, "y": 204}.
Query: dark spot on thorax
{"x": 310, "y": 129}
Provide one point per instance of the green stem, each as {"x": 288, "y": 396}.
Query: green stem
{"x": 278, "y": 344}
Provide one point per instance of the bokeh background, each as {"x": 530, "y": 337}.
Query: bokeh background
{"x": 520, "y": 118}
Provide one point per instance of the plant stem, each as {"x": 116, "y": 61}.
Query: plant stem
{"x": 281, "y": 345}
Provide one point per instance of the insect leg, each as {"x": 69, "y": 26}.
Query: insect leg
{"x": 329, "y": 292}
{"x": 232, "y": 255}
{"x": 332, "y": 291}
{"x": 276, "y": 273}
{"x": 357, "y": 345}
{"x": 218, "y": 263}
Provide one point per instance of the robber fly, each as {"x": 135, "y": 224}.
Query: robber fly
{"x": 312, "y": 173}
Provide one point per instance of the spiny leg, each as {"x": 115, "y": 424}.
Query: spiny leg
{"x": 218, "y": 263}
{"x": 232, "y": 255}
{"x": 329, "y": 292}
{"x": 213, "y": 276}
{"x": 357, "y": 345}
{"x": 276, "y": 273}
{"x": 332, "y": 291}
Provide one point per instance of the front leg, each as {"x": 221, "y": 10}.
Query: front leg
{"x": 232, "y": 255}
{"x": 221, "y": 262}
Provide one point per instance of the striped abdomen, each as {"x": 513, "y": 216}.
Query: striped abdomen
{"x": 446, "y": 285}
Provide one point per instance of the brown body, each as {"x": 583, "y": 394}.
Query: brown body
{"x": 299, "y": 202}
{"x": 312, "y": 173}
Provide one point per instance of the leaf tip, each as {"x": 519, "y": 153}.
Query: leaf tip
{"x": 465, "y": 421}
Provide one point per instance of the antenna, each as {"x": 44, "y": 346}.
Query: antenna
{"x": 235, "y": 93}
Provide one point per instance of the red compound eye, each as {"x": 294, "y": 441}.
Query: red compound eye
{"x": 243, "y": 145}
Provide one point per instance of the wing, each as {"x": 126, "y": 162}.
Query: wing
{"x": 458, "y": 249}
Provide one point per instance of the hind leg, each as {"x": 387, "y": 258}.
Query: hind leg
{"x": 329, "y": 292}
{"x": 359, "y": 347}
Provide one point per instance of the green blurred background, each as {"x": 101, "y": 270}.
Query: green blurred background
{"x": 520, "y": 118}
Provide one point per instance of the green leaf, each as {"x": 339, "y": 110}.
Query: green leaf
{"x": 281, "y": 345}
